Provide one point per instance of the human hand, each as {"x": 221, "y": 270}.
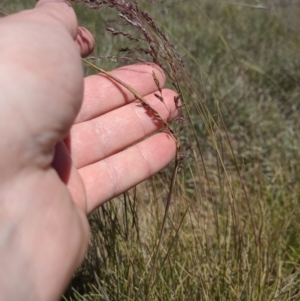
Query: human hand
{"x": 61, "y": 158}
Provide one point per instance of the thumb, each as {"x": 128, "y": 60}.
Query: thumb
{"x": 41, "y": 83}
{"x": 57, "y": 12}
{"x": 61, "y": 11}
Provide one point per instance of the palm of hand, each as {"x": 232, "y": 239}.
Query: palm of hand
{"x": 50, "y": 182}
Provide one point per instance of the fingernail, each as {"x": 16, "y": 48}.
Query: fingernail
{"x": 62, "y": 3}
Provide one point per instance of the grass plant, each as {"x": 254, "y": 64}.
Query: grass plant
{"x": 227, "y": 225}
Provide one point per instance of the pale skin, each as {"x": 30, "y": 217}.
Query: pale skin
{"x": 68, "y": 144}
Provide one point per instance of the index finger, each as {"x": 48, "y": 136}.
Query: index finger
{"x": 102, "y": 94}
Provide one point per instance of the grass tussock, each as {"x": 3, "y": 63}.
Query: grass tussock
{"x": 228, "y": 229}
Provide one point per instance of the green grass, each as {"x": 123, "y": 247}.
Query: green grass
{"x": 233, "y": 227}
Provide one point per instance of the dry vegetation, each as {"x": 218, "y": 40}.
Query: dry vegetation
{"x": 230, "y": 228}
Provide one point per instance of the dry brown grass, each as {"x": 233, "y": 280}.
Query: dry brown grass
{"x": 231, "y": 231}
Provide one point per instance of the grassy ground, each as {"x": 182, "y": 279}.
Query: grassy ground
{"x": 233, "y": 228}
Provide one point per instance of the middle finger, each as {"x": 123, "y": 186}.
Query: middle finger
{"x": 110, "y": 133}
